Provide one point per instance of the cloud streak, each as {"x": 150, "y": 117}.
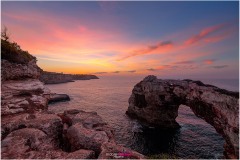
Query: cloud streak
{"x": 204, "y": 33}
{"x": 184, "y": 62}
{"x": 220, "y": 66}
{"x": 100, "y": 72}
{"x": 151, "y": 69}
{"x": 162, "y": 46}
{"x": 132, "y": 71}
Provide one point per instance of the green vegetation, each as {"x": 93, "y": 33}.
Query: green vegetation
{"x": 162, "y": 156}
{"x": 12, "y": 52}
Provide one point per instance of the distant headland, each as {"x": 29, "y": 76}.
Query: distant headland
{"x": 55, "y": 78}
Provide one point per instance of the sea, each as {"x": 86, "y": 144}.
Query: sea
{"x": 108, "y": 96}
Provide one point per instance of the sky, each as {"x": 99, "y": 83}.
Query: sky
{"x": 170, "y": 39}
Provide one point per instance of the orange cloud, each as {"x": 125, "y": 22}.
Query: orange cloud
{"x": 209, "y": 61}
{"x": 204, "y": 33}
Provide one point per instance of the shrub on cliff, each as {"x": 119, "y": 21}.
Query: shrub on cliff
{"x": 12, "y": 52}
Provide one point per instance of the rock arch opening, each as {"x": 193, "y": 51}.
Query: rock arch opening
{"x": 197, "y": 136}
{"x": 216, "y": 106}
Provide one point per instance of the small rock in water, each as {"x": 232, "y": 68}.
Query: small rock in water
{"x": 58, "y": 97}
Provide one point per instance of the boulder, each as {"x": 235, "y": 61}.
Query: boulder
{"x": 50, "y": 124}
{"x": 24, "y": 140}
{"x": 86, "y": 130}
{"x": 82, "y": 138}
{"x": 155, "y": 103}
{"x": 58, "y": 98}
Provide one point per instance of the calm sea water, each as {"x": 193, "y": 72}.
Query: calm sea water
{"x": 108, "y": 96}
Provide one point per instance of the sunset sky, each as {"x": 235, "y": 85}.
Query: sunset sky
{"x": 186, "y": 39}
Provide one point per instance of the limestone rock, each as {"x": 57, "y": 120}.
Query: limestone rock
{"x": 81, "y": 137}
{"x": 155, "y": 103}
{"x": 23, "y": 96}
{"x": 23, "y": 140}
{"x": 14, "y": 71}
{"x": 87, "y": 130}
{"x": 50, "y": 124}
{"x": 31, "y": 143}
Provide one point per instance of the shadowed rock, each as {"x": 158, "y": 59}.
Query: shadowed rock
{"x": 58, "y": 98}
{"x": 155, "y": 103}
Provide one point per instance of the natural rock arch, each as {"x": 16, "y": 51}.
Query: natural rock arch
{"x": 155, "y": 102}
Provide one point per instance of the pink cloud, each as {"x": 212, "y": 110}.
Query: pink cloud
{"x": 204, "y": 33}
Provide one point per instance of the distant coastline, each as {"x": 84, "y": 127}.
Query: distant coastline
{"x": 56, "y": 78}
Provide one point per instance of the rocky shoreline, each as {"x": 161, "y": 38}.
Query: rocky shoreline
{"x": 30, "y": 131}
{"x": 155, "y": 102}
{"x": 56, "y": 78}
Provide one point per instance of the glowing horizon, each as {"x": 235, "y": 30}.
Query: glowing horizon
{"x": 128, "y": 38}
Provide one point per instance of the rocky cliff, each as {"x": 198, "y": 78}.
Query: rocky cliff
{"x": 155, "y": 103}
{"x": 30, "y": 131}
{"x": 17, "y": 71}
{"x": 55, "y": 78}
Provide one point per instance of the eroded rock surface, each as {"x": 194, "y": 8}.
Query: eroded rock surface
{"x": 31, "y": 143}
{"x": 15, "y": 71}
{"x": 155, "y": 103}
{"x": 86, "y": 130}
{"x": 23, "y": 140}
{"x": 20, "y": 96}
{"x": 74, "y": 134}
{"x": 50, "y": 124}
